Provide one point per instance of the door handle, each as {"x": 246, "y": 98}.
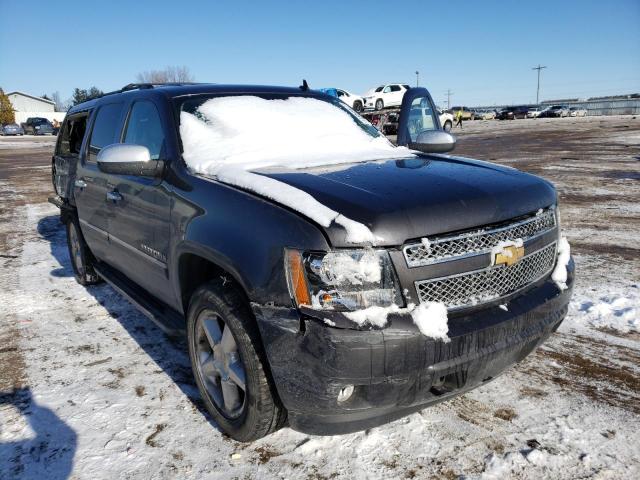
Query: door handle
{"x": 80, "y": 183}
{"x": 114, "y": 196}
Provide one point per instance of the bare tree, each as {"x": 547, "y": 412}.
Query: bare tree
{"x": 172, "y": 74}
{"x": 60, "y": 106}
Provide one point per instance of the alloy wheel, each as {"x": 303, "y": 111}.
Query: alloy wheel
{"x": 76, "y": 252}
{"x": 219, "y": 365}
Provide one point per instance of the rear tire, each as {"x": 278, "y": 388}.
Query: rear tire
{"x": 229, "y": 364}
{"x": 82, "y": 260}
{"x": 447, "y": 126}
{"x": 379, "y": 104}
{"x": 357, "y": 106}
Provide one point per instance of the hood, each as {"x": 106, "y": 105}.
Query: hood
{"x": 406, "y": 199}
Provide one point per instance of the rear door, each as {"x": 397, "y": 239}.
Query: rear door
{"x": 67, "y": 154}
{"x": 139, "y": 225}
{"x": 91, "y": 185}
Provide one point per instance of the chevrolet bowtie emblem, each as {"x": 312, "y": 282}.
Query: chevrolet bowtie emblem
{"x": 508, "y": 256}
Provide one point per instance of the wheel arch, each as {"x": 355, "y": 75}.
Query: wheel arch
{"x": 196, "y": 268}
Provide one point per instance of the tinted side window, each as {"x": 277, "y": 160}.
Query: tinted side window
{"x": 105, "y": 129}
{"x": 71, "y": 135}
{"x": 421, "y": 117}
{"x": 144, "y": 128}
{"x": 395, "y": 88}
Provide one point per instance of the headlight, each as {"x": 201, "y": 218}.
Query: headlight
{"x": 37, "y": 127}
{"x": 342, "y": 280}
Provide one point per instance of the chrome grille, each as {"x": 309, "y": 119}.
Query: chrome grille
{"x": 476, "y": 243}
{"x": 471, "y": 288}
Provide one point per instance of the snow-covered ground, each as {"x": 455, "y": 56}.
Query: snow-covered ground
{"x": 89, "y": 388}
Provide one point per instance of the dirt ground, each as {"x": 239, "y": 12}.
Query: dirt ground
{"x": 571, "y": 410}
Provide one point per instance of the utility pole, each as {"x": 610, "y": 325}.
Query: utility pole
{"x": 417, "y": 78}
{"x": 449, "y": 93}
{"x": 539, "y": 67}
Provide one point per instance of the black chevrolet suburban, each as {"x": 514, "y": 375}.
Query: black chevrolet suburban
{"x": 253, "y": 282}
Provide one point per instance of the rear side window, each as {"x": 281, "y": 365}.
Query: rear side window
{"x": 395, "y": 88}
{"x": 145, "y": 128}
{"x": 105, "y": 129}
{"x": 71, "y": 135}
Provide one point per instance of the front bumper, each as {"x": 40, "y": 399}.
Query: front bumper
{"x": 396, "y": 370}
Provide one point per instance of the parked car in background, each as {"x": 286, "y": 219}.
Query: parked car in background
{"x": 446, "y": 120}
{"x": 484, "y": 114}
{"x": 554, "y": 111}
{"x": 467, "y": 114}
{"x": 389, "y": 95}
{"x": 37, "y": 126}
{"x": 534, "y": 112}
{"x": 577, "y": 112}
{"x": 511, "y": 113}
{"x": 505, "y": 114}
{"x": 354, "y": 101}
{"x": 11, "y": 129}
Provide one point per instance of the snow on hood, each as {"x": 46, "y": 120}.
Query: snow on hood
{"x": 231, "y": 136}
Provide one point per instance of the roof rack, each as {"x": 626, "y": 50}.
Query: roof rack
{"x": 143, "y": 86}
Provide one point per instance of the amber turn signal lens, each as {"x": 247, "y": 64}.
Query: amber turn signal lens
{"x": 297, "y": 281}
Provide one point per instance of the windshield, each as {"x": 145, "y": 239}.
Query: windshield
{"x": 253, "y": 132}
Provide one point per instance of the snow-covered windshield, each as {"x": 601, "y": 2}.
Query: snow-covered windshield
{"x": 251, "y": 132}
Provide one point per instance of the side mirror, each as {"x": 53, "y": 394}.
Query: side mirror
{"x": 127, "y": 159}
{"x": 433, "y": 141}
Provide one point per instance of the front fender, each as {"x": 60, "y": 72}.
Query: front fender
{"x": 241, "y": 233}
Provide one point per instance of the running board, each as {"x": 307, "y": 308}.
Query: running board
{"x": 169, "y": 321}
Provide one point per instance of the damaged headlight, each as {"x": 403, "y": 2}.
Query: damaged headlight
{"x": 342, "y": 280}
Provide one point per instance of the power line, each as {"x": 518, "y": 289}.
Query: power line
{"x": 539, "y": 67}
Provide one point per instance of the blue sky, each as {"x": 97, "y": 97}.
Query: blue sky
{"x": 482, "y": 50}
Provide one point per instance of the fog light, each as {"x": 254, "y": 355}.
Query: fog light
{"x": 345, "y": 393}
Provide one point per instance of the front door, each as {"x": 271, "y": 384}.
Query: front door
{"x": 417, "y": 115}
{"x": 91, "y": 185}
{"x": 139, "y": 225}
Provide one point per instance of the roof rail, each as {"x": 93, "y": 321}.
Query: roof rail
{"x": 142, "y": 86}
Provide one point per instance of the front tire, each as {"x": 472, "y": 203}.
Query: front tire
{"x": 81, "y": 258}
{"x": 379, "y": 104}
{"x": 229, "y": 364}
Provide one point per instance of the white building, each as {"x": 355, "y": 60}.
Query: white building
{"x": 26, "y": 106}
